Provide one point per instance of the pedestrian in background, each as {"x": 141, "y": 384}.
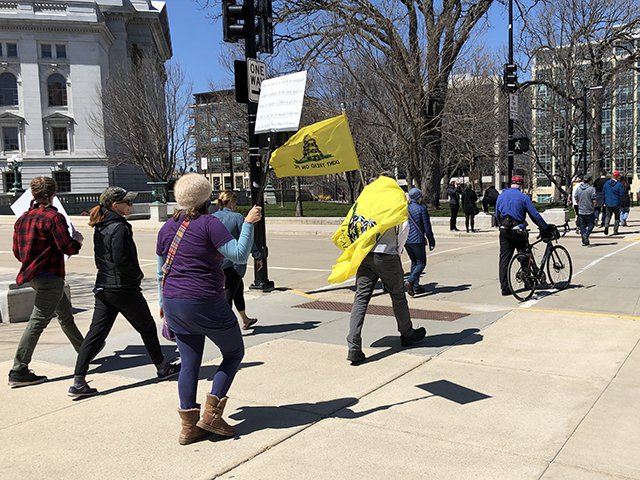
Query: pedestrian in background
{"x": 453, "y": 191}
{"x": 117, "y": 289}
{"x": 585, "y": 196}
{"x": 613, "y": 191}
{"x": 625, "y": 205}
{"x": 469, "y": 207}
{"x": 420, "y": 234}
{"x": 601, "y": 209}
{"x": 41, "y": 239}
{"x": 233, "y": 272}
{"x": 489, "y": 198}
{"x": 191, "y": 248}
{"x": 574, "y": 201}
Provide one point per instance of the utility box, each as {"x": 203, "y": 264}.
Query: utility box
{"x": 16, "y": 302}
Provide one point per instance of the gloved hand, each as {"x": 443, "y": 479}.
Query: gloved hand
{"x": 432, "y": 246}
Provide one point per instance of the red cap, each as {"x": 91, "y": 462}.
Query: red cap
{"x": 616, "y": 173}
{"x": 517, "y": 179}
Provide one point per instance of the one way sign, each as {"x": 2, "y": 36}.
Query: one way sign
{"x": 256, "y": 73}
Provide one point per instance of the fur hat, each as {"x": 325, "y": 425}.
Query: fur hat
{"x": 192, "y": 190}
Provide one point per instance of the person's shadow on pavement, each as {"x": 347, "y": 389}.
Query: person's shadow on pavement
{"x": 282, "y": 328}
{"x": 256, "y": 418}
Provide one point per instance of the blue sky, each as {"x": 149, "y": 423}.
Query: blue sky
{"x": 197, "y": 41}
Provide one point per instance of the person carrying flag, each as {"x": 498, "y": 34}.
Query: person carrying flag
{"x": 372, "y": 237}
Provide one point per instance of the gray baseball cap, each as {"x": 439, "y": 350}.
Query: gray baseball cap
{"x": 116, "y": 194}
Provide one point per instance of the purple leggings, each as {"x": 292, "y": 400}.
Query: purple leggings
{"x": 191, "y": 348}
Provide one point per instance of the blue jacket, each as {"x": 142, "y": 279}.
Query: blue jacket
{"x": 514, "y": 203}
{"x": 419, "y": 224}
{"x": 613, "y": 192}
{"x": 233, "y": 221}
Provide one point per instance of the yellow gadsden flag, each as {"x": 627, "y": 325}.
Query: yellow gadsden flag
{"x": 320, "y": 149}
{"x": 381, "y": 205}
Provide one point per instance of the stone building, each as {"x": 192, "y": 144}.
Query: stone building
{"x": 54, "y": 57}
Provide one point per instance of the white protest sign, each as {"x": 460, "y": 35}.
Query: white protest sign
{"x": 24, "y": 202}
{"x": 280, "y": 105}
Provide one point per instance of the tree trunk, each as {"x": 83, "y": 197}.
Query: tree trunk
{"x": 299, "y": 212}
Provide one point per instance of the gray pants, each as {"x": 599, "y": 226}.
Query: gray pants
{"x": 387, "y": 268}
{"x": 50, "y": 300}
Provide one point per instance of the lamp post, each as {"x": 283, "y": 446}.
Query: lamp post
{"x": 585, "y": 91}
{"x": 15, "y": 163}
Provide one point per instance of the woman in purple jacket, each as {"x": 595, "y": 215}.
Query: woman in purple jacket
{"x": 194, "y": 303}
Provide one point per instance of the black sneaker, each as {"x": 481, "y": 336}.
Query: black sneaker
{"x": 416, "y": 335}
{"x": 24, "y": 378}
{"x": 356, "y": 357}
{"x": 505, "y": 293}
{"x": 606, "y": 230}
{"x": 171, "y": 370}
{"x": 409, "y": 289}
{"x": 81, "y": 392}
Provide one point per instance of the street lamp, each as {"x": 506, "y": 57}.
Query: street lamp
{"x": 15, "y": 163}
{"x": 585, "y": 91}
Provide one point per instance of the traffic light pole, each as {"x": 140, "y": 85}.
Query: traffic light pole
{"x": 510, "y": 120}
{"x": 261, "y": 276}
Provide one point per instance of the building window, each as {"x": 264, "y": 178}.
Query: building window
{"x": 9, "y": 178}
{"x": 45, "y": 51}
{"x": 8, "y": 90}
{"x": 48, "y": 50}
{"x": 544, "y": 198}
{"x": 63, "y": 179}
{"x": 10, "y": 141}
{"x": 57, "y": 89}
{"x": 12, "y": 50}
{"x": 60, "y": 139}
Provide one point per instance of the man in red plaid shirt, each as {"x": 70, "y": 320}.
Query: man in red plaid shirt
{"x": 40, "y": 241}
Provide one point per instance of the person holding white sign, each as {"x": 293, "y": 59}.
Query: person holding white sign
{"x": 41, "y": 239}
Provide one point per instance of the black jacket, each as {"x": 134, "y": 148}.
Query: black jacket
{"x": 454, "y": 195}
{"x": 116, "y": 254}
{"x": 469, "y": 199}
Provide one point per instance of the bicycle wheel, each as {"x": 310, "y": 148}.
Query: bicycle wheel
{"x": 559, "y": 267}
{"x": 522, "y": 282}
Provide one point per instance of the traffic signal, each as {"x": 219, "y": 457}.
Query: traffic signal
{"x": 519, "y": 145}
{"x": 265, "y": 26}
{"x": 235, "y": 20}
{"x": 510, "y": 78}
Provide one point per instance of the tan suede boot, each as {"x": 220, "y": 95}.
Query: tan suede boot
{"x": 212, "y": 418}
{"x": 190, "y": 432}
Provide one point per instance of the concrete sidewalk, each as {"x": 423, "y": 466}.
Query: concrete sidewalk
{"x": 501, "y": 394}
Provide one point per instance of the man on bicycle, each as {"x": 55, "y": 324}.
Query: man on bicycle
{"x": 512, "y": 207}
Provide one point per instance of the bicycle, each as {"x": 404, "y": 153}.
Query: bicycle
{"x": 525, "y": 274}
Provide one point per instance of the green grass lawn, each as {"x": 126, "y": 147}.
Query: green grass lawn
{"x": 330, "y": 209}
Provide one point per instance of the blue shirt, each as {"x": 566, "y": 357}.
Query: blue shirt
{"x": 233, "y": 221}
{"x": 515, "y": 204}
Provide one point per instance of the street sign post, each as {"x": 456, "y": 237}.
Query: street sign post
{"x": 256, "y": 73}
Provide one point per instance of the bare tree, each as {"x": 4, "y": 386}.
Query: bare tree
{"x": 411, "y": 46}
{"x": 144, "y": 117}
{"x": 577, "y": 44}
{"x": 472, "y": 120}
